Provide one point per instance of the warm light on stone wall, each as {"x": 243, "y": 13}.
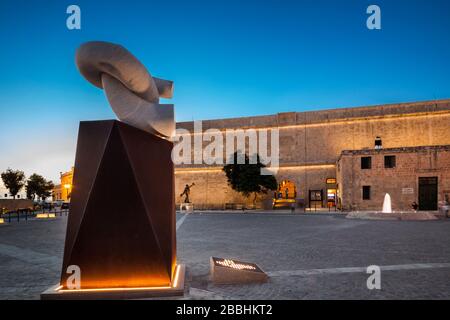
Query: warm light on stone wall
{"x": 311, "y": 143}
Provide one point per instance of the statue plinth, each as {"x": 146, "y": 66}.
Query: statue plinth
{"x": 121, "y": 227}
{"x": 187, "y": 206}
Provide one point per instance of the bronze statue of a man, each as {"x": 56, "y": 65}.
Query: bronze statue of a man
{"x": 187, "y": 192}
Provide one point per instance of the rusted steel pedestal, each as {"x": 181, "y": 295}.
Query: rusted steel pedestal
{"x": 121, "y": 227}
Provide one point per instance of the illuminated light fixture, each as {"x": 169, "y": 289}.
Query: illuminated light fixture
{"x": 59, "y": 293}
{"x": 391, "y": 117}
{"x": 203, "y": 170}
{"x": 174, "y": 285}
{"x": 2, "y": 221}
{"x": 45, "y": 216}
{"x": 230, "y": 271}
{"x": 231, "y": 264}
{"x": 284, "y": 200}
{"x": 305, "y": 167}
{"x": 294, "y": 167}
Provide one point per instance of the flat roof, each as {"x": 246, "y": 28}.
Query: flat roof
{"x": 324, "y": 116}
{"x": 396, "y": 150}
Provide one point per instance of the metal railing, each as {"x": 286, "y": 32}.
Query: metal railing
{"x": 25, "y": 214}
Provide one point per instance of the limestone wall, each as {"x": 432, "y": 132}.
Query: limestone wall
{"x": 311, "y": 142}
{"x": 14, "y": 204}
{"x": 401, "y": 182}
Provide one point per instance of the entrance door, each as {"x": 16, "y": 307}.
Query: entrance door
{"x": 428, "y": 193}
{"x": 315, "y": 198}
{"x": 331, "y": 198}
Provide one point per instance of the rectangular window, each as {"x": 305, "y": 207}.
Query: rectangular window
{"x": 366, "y": 192}
{"x": 378, "y": 143}
{"x": 366, "y": 163}
{"x": 389, "y": 162}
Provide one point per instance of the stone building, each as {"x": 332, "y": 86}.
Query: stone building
{"x": 63, "y": 190}
{"x": 312, "y": 145}
{"x": 408, "y": 175}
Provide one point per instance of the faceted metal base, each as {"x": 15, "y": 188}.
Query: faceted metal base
{"x": 177, "y": 289}
{"x": 121, "y": 226}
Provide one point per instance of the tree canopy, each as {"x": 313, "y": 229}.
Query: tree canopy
{"x": 38, "y": 186}
{"x": 14, "y": 180}
{"x": 246, "y": 178}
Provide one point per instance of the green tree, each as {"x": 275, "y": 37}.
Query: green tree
{"x": 246, "y": 178}
{"x": 32, "y": 187}
{"x": 46, "y": 190}
{"x": 38, "y": 186}
{"x": 14, "y": 180}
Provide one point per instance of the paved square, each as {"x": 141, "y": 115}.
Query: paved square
{"x": 307, "y": 257}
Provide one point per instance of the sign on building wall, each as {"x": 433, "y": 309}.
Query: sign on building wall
{"x": 408, "y": 191}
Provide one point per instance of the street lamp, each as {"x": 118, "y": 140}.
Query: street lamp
{"x": 68, "y": 187}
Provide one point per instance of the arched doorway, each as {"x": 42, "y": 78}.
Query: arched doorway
{"x": 285, "y": 196}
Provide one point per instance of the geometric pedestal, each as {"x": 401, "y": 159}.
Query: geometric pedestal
{"x": 177, "y": 289}
{"x": 121, "y": 226}
{"x": 229, "y": 271}
{"x": 188, "y": 207}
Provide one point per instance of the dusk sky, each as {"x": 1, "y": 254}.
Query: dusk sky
{"x": 227, "y": 59}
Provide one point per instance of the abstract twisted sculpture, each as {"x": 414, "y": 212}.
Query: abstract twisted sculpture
{"x": 121, "y": 226}
{"x": 132, "y": 92}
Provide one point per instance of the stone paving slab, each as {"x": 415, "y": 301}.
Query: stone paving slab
{"x": 291, "y": 248}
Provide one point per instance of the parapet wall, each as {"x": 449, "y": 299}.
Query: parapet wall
{"x": 11, "y": 204}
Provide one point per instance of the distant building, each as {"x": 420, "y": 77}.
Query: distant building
{"x": 63, "y": 190}
{"x": 324, "y": 158}
{"x": 4, "y": 193}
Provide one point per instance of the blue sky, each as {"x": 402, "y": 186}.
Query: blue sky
{"x": 227, "y": 58}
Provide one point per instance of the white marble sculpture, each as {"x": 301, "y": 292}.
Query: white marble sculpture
{"x": 131, "y": 91}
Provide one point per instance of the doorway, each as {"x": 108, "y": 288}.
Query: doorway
{"x": 428, "y": 193}
{"x": 331, "y": 198}
{"x": 285, "y": 196}
{"x": 315, "y": 199}
{"x": 286, "y": 190}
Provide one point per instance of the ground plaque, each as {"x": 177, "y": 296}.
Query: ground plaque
{"x": 231, "y": 271}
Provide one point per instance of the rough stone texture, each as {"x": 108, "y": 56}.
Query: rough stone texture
{"x": 11, "y": 204}
{"x": 411, "y": 163}
{"x": 311, "y": 143}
